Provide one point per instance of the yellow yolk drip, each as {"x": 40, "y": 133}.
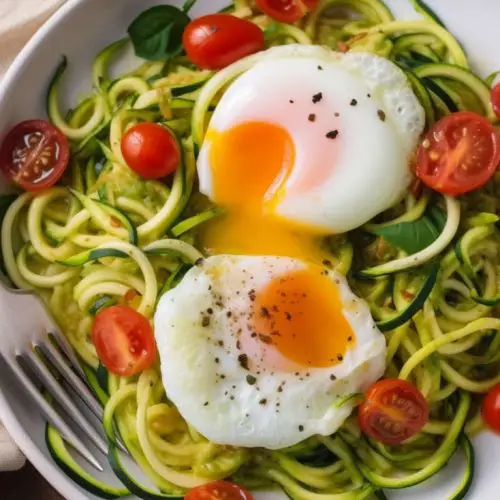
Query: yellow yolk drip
{"x": 301, "y": 315}
{"x": 250, "y": 162}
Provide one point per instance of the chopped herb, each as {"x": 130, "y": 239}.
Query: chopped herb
{"x": 320, "y": 68}
{"x": 206, "y": 403}
{"x": 205, "y": 321}
{"x": 263, "y": 401}
{"x": 381, "y": 115}
{"x": 251, "y": 380}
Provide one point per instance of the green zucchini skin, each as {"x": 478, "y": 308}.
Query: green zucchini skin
{"x": 415, "y": 305}
{"x": 180, "y": 90}
{"x": 132, "y": 485}
{"x": 468, "y": 478}
{"x": 60, "y": 455}
{"x": 90, "y": 255}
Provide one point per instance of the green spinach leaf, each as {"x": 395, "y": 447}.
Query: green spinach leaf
{"x": 410, "y": 237}
{"x": 156, "y": 34}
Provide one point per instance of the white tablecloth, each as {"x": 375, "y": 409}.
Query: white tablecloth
{"x": 19, "y": 19}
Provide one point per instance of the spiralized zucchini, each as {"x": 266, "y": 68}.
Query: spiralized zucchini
{"x": 108, "y": 233}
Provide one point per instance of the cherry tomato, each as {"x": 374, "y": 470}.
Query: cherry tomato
{"x": 495, "y": 99}
{"x": 393, "y": 411}
{"x": 34, "y": 155}
{"x": 459, "y": 154}
{"x": 151, "y": 150}
{"x": 217, "y": 40}
{"x": 490, "y": 409}
{"x": 219, "y": 490}
{"x": 124, "y": 340}
{"x": 286, "y": 11}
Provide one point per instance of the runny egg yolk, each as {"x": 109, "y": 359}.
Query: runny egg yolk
{"x": 249, "y": 164}
{"x": 300, "y": 315}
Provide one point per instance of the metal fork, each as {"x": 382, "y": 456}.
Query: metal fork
{"x": 28, "y": 334}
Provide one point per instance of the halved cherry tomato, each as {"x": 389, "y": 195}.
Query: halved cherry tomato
{"x": 151, "y": 150}
{"x": 34, "y": 155}
{"x": 124, "y": 340}
{"x": 217, "y": 40}
{"x": 393, "y": 411}
{"x": 490, "y": 409}
{"x": 459, "y": 154}
{"x": 495, "y": 99}
{"x": 219, "y": 490}
{"x": 286, "y": 11}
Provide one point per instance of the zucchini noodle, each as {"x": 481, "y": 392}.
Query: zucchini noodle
{"x": 110, "y": 237}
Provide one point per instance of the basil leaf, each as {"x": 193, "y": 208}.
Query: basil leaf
{"x": 410, "y": 237}
{"x": 438, "y": 217}
{"x": 156, "y": 34}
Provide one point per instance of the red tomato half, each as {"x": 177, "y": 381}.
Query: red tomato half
{"x": 495, "y": 99}
{"x": 459, "y": 154}
{"x": 151, "y": 150}
{"x": 219, "y": 490}
{"x": 217, "y": 40}
{"x": 124, "y": 340}
{"x": 34, "y": 155}
{"x": 490, "y": 409}
{"x": 286, "y": 11}
{"x": 393, "y": 411}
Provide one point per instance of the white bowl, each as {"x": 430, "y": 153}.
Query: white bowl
{"x": 79, "y": 30}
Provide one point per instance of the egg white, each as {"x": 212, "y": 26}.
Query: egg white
{"x": 368, "y": 163}
{"x": 204, "y": 377}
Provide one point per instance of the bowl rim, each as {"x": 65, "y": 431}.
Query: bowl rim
{"x": 32, "y": 452}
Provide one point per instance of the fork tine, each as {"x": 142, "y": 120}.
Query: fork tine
{"x": 75, "y": 383}
{"x": 56, "y": 390}
{"x": 51, "y": 415}
{"x": 80, "y": 388}
{"x": 61, "y": 341}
